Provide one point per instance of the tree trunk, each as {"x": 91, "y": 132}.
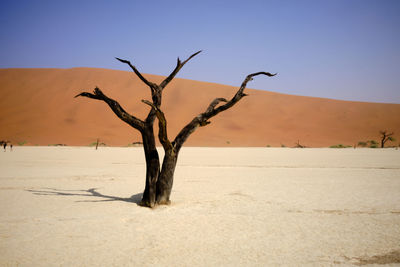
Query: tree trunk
{"x": 166, "y": 178}
{"x": 152, "y": 167}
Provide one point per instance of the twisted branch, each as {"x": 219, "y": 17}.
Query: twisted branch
{"x": 215, "y": 103}
{"x": 115, "y": 107}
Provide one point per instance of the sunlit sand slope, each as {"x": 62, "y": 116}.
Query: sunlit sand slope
{"x": 37, "y": 106}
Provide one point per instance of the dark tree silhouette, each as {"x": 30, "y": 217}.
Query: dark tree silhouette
{"x": 386, "y": 136}
{"x": 159, "y": 181}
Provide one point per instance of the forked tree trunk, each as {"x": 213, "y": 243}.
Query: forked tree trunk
{"x": 166, "y": 178}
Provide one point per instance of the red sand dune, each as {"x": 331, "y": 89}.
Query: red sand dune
{"x": 38, "y": 106}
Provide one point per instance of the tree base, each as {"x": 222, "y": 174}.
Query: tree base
{"x": 164, "y": 202}
{"x": 154, "y": 205}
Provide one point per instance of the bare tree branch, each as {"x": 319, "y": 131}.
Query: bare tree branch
{"x": 178, "y": 67}
{"x": 155, "y": 90}
{"x": 115, "y": 107}
{"x": 385, "y": 133}
{"x": 162, "y": 126}
{"x": 152, "y": 86}
{"x": 203, "y": 118}
{"x": 215, "y": 103}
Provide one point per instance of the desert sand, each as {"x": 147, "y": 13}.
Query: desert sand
{"x": 37, "y": 106}
{"x": 75, "y": 206}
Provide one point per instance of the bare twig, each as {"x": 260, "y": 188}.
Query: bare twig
{"x": 153, "y": 86}
{"x": 179, "y": 65}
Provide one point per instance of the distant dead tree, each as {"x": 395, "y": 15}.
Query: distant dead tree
{"x": 298, "y": 145}
{"x": 159, "y": 181}
{"x": 386, "y": 136}
{"x": 4, "y": 143}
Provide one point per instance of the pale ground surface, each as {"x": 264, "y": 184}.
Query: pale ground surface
{"x": 231, "y": 206}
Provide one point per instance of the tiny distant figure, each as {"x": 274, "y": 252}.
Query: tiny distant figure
{"x": 5, "y": 145}
{"x": 10, "y": 147}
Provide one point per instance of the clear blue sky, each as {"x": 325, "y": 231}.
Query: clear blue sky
{"x": 342, "y": 49}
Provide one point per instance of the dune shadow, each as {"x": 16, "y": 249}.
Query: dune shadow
{"x": 91, "y": 192}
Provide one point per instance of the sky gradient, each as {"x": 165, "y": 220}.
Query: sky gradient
{"x": 342, "y": 49}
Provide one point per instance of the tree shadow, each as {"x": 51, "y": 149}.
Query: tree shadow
{"x": 92, "y": 192}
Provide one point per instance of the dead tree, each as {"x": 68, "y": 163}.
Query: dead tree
{"x": 159, "y": 181}
{"x": 298, "y": 145}
{"x": 385, "y": 136}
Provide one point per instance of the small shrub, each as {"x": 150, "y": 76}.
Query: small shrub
{"x": 391, "y": 139}
{"x": 369, "y": 143}
{"x": 282, "y": 145}
{"x": 373, "y": 144}
{"x": 22, "y": 143}
{"x": 362, "y": 144}
{"x": 339, "y": 146}
{"x": 268, "y": 146}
